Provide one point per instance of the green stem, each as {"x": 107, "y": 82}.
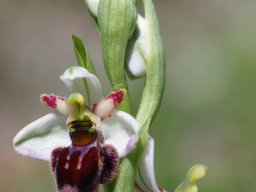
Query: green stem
{"x": 155, "y": 75}
{"x": 151, "y": 99}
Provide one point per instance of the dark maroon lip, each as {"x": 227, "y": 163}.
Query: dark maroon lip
{"x": 83, "y": 168}
{"x": 77, "y": 167}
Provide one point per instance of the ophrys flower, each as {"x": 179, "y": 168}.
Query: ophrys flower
{"x": 75, "y": 133}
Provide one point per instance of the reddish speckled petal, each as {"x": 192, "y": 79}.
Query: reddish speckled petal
{"x": 56, "y": 102}
{"x": 104, "y": 108}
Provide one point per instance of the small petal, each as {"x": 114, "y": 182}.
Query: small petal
{"x": 146, "y": 174}
{"x": 120, "y": 131}
{"x": 40, "y": 137}
{"x": 56, "y": 102}
{"x": 74, "y": 78}
{"x": 93, "y": 6}
{"x": 104, "y": 108}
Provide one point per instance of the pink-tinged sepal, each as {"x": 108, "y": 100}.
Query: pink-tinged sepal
{"x": 56, "y": 102}
{"x": 104, "y": 108}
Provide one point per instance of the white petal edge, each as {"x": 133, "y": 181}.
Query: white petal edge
{"x": 121, "y": 131}
{"x": 146, "y": 173}
{"x": 73, "y": 78}
{"x": 138, "y": 50}
{"x": 93, "y": 6}
{"x": 143, "y": 39}
{"x": 39, "y": 138}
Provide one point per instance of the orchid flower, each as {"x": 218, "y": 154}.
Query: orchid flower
{"x": 86, "y": 136}
{"x": 43, "y": 138}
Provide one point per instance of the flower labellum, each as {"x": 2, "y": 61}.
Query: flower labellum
{"x": 87, "y": 162}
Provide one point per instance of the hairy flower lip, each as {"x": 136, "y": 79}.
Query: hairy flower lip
{"x": 77, "y": 166}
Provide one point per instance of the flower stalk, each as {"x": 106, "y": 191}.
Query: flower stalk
{"x": 155, "y": 73}
{"x": 151, "y": 99}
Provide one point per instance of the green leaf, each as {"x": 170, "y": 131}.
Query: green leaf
{"x": 116, "y": 20}
{"x": 82, "y": 55}
{"x": 83, "y": 59}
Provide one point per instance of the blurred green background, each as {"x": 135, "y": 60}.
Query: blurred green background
{"x": 208, "y": 114}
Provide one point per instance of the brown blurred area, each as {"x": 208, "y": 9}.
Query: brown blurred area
{"x": 209, "y": 107}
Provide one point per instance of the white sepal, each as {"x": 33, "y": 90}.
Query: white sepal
{"x": 39, "y": 138}
{"x": 73, "y": 78}
{"x": 146, "y": 173}
{"x": 121, "y": 131}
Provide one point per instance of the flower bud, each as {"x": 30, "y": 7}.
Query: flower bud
{"x": 116, "y": 20}
{"x": 189, "y": 184}
{"x": 92, "y": 6}
{"x": 137, "y": 54}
